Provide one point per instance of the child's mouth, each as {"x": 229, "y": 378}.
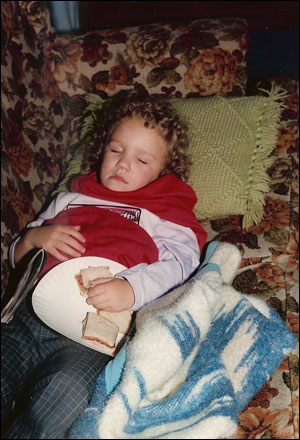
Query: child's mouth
{"x": 119, "y": 178}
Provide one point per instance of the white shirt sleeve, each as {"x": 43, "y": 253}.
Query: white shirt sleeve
{"x": 178, "y": 257}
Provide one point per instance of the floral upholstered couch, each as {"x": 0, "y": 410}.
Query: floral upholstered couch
{"x": 44, "y": 77}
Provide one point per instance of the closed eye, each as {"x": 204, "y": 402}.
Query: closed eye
{"x": 114, "y": 147}
{"x": 144, "y": 162}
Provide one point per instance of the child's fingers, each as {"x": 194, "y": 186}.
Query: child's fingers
{"x": 69, "y": 250}
{"x": 99, "y": 281}
{"x": 98, "y": 289}
{"x": 63, "y": 252}
{"x": 99, "y": 301}
{"x": 72, "y": 243}
{"x": 56, "y": 254}
{"x": 74, "y": 231}
{"x": 65, "y": 244}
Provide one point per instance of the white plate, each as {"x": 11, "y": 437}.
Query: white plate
{"x": 58, "y": 303}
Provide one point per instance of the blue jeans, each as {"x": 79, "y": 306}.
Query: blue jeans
{"x": 58, "y": 373}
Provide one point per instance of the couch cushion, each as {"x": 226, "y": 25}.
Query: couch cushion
{"x": 201, "y": 57}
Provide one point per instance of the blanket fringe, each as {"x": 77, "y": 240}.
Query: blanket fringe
{"x": 266, "y": 136}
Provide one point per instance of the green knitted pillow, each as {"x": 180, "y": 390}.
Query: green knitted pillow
{"x": 230, "y": 140}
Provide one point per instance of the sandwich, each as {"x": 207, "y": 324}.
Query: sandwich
{"x": 89, "y": 274}
{"x": 98, "y": 329}
{"x": 106, "y": 329}
{"x": 121, "y": 319}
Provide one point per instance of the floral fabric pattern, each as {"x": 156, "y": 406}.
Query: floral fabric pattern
{"x": 43, "y": 79}
{"x": 214, "y": 69}
{"x": 204, "y": 57}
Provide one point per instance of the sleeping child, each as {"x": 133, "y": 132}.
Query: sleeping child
{"x": 133, "y": 208}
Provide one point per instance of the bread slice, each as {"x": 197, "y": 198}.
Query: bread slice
{"x": 89, "y": 274}
{"x": 121, "y": 319}
{"x": 96, "y": 328}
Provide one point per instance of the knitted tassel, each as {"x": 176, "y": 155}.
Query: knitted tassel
{"x": 266, "y": 136}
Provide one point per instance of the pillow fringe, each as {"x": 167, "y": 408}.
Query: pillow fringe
{"x": 266, "y": 137}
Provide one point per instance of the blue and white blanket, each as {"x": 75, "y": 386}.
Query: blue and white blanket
{"x": 197, "y": 358}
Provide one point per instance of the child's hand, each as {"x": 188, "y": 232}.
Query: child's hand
{"x": 112, "y": 295}
{"x": 58, "y": 238}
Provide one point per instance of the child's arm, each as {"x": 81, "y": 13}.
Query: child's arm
{"x": 55, "y": 239}
{"x": 178, "y": 257}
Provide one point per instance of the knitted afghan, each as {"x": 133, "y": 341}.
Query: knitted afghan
{"x": 197, "y": 358}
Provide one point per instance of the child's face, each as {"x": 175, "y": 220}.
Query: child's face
{"x": 134, "y": 156}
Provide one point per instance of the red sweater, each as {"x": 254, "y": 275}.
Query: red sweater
{"x": 112, "y": 236}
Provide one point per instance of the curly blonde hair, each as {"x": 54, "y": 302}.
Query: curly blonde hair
{"x": 157, "y": 113}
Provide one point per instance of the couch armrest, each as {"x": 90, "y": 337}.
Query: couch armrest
{"x": 35, "y": 125}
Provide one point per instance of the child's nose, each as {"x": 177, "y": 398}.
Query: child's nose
{"x": 123, "y": 163}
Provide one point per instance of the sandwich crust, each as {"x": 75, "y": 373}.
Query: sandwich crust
{"x": 90, "y": 273}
